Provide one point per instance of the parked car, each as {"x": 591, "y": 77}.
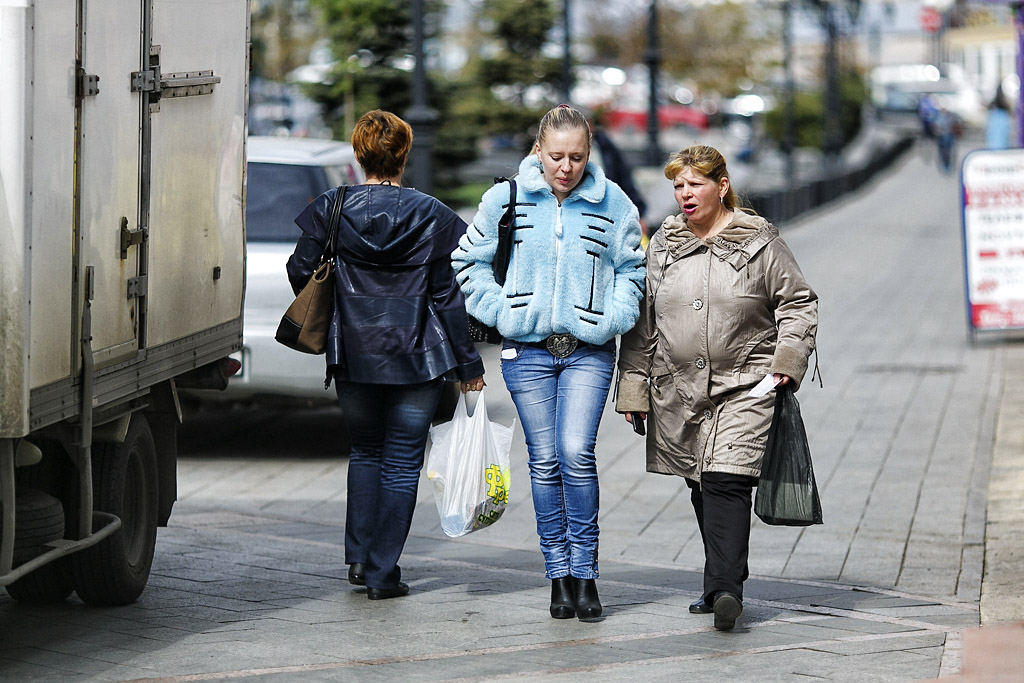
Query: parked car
{"x": 284, "y": 174}
{"x": 669, "y": 116}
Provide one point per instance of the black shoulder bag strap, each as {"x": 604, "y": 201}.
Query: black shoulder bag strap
{"x": 330, "y": 251}
{"x": 506, "y": 226}
{"x": 330, "y": 245}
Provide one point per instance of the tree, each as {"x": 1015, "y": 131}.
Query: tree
{"x": 711, "y": 46}
{"x": 370, "y": 39}
{"x": 372, "y": 42}
{"x": 281, "y": 37}
{"x": 519, "y": 31}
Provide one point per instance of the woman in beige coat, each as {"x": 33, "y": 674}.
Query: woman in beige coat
{"x": 725, "y": 305}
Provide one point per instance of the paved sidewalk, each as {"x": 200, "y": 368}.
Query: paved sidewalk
{"x": 912, "y": 433}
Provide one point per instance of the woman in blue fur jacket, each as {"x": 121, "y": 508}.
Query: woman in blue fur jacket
{"x": 574, "y": 282}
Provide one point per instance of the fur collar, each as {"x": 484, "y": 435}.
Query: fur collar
{"x": 745, "y": 235}
{"x": 591, "y": 187}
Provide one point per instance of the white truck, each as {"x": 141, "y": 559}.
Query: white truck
{"x": 122, "y": 264}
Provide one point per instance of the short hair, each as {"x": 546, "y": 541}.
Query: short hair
{"x": 564, "y": 118}
{"x": 707, "y": 161}
{"x": 381, "y": 142}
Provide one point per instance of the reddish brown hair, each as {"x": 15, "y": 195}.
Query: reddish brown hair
{"x": 381, "y": 142}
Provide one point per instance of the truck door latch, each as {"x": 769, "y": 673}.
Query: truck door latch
{"x": 131, "y": 238}
{"x": 86, "y": 85}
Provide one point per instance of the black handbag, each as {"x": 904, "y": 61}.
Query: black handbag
{"x": 478, "y": 332}
{"x": 304, "y": 326}
{"x": 787, "y": 494}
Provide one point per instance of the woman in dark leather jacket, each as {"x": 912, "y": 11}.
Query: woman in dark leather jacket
{"x": 399, "y": 330}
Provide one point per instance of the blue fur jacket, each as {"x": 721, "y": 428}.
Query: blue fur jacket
{"x": 576, "y": 268}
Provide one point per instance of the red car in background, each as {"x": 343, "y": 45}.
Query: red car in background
{"x": 669, "y": 116}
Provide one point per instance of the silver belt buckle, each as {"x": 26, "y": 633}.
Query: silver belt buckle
{"x": 561, "y": 345}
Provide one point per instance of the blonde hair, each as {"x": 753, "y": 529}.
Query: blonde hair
{"x": 707, "y": 161}
{"x": 563, "y": 118}
{"x": 381, "y": 142}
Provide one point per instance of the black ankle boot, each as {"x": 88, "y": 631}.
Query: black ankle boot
{"x": 588, "y": 605}
{"x": 562, "y": 598}
{"x": 357, "y": 574}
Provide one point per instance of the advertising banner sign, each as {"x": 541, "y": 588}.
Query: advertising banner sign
{"x": 993, "y": 226}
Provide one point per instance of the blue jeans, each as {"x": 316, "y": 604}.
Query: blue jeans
{"x": 560, "y": 402}
{"x": 388, "y": 424}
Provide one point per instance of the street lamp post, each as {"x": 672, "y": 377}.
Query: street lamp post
{"x": 566, "y": 55}
{"x": 421, "y": 117}
{"x": 789, "y": 123}
{"x": 833, "y": 136}
{"x": 652, "y": 56}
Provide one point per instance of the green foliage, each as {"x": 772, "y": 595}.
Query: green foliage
{"x": 710, "y": 45}
{"x": 461, "y": 196}
{"x": 380, "y": 26}
{"x": 808, "y": 113}
{"x": 520, "y": 30}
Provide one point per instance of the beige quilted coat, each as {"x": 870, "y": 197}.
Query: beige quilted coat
{"x": 716, "y": 317}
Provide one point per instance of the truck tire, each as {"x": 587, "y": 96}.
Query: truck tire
{"x": 38, "y": 519}
{"x": 116, "y": 570}
{"x": 56, "y": 476}
{"x": 50, "y": 584}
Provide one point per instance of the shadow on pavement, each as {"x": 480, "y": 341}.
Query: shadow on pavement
{"x": 263, "y": 432}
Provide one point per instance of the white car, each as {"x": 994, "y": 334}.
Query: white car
{"x": 284, "y": 174}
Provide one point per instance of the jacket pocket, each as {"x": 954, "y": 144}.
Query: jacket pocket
{"x": 758, "y": 351}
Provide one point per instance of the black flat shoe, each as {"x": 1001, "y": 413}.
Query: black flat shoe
{"x": 357, "y": 574}
{"x": 588, "y": 605}
{"x": 562, "y": 601}
{"x": 728, "y": 608}
{"x": 384, "y": 593}
{"x": 700, "y": 607}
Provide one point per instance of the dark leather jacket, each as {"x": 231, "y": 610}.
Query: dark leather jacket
{"x": 399, "y": 316}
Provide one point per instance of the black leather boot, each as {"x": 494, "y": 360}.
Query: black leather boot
{"x": 562, "y": 598}
{"x": 728, "y": 607}
{"x": 588, "y": 605}
{"x": 357, "y": 574}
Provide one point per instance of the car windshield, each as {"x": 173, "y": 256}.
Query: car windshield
{"x": 276, "y": 194}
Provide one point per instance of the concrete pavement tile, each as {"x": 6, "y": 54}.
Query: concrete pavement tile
{"x": 859, "y": 600}
{"x": 862, "y": 625}
{"x": 904, "y": 643}
{"x": 17, "y": 670}
{"x": 70, "y": 664}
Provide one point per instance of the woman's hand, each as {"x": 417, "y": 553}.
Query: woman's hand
{"x": 629, "y": 416}
{"x": 781, "y": 380}
{"x": 476, "y": 384}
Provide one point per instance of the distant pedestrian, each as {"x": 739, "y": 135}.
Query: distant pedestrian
{"x": 573, "y": 284}
{"x": 725, "y": 305}
{"x": 926, "y": 113}
{"x": 618, "y": 170}
{"x": 998, "y": 124}
{"x": 947, "y": 128}
{"x": 399, "y": 330}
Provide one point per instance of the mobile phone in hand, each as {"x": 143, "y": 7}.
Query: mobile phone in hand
{"x": 638, "y": 424}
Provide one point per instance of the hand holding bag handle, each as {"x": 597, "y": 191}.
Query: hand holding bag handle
{"x": 305, "y": 324}
{"x": 479, "y": 332}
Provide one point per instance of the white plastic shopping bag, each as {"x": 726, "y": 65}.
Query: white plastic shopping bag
{"x": 469, "y": 468}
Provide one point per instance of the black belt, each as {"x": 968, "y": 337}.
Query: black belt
{"x": 558, "y": 345}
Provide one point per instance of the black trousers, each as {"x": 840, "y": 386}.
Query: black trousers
{"x": 722, "y": 503}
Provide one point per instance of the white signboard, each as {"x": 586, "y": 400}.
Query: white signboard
{"x": 993, "y": 224}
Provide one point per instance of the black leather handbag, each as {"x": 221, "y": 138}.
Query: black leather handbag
{"x": 478, "y": 332}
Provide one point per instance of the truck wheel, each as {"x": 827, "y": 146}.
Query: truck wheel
{"x": 51, "y": 583}
{"x": 116, "y": 570}
{"x": 56, "y": 476}
{"x": 38, "y": 519}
